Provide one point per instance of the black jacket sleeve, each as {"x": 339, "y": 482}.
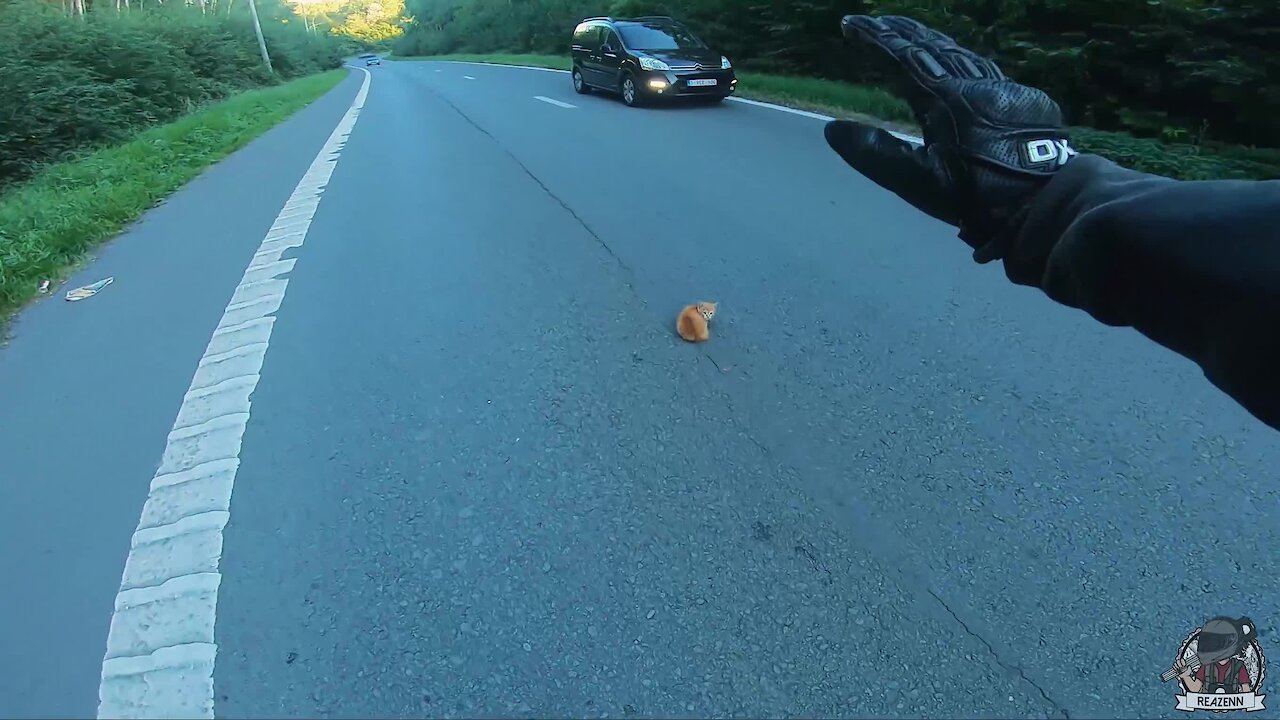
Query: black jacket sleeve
{"x": 1194, "y": 266}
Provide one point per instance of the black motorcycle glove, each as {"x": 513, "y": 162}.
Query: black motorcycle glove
{"x": 989, "y": 143}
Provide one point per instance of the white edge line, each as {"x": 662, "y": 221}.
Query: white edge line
{"x": 160, "y": 646}
{"x": 783, "y": 108}
{"x": 757, "y": 103}
{"x": 553, "y": 101}
{"x": 522, "y": 67}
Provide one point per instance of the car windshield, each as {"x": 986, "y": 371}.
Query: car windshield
{"x": 651, "y": 36}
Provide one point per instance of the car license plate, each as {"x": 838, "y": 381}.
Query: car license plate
{"x": 702, "y": 83}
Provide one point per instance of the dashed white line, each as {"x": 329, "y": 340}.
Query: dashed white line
{"x": 757, "y": 103}
{"x": 468, "y": 77}
{"x": 160, "y": 649}
{"x": 557, "y": 103}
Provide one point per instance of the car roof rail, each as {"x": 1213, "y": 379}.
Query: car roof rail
{"x": 654, "y": 17}
{"x": 601, "y": 17}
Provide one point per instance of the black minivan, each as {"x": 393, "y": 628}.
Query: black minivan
{"x": 645, "y": 58}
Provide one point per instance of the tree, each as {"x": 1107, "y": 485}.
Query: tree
{"x": 1174, "y": 69}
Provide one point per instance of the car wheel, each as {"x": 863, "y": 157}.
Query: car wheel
{"x": 631, "y": 92}
{"x": 579, "y": 85}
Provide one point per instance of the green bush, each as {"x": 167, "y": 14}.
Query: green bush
{"x": 1179, "y": 160}
{"x": 82, "y": 82}
{"x": 828, "y": 93}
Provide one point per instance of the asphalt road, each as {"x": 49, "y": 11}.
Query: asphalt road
{"x": 482, "y": 477}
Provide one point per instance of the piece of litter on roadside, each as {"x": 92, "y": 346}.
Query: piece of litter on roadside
{"x": 44, "y": 287}
{"x": 88, "y": 291}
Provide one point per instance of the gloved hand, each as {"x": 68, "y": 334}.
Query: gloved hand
{"x": 989, "y": 143}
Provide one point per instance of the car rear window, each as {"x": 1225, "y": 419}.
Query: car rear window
{"x": 652, "y": 36}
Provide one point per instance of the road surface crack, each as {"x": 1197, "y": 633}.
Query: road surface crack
{"x": 805, "y": 549}
{"x": 999, "y": 661}
{"x": 721, "y": 368}
{"x": 913, "y": 585}
{"x": 629, "y": 272}
{"x": 573, "y": 213}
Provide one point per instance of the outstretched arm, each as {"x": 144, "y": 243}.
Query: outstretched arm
{"x": 1194, "y": 266}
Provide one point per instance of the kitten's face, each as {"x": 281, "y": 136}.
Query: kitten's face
{"x": 708, "y": 309}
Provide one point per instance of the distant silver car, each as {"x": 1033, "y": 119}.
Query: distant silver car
{"x": 371, "y": 59}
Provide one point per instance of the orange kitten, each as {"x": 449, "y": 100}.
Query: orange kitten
{"x": 693, "y": 322}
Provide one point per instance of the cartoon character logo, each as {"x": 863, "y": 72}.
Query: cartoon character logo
{"x": 1220, "y": 667}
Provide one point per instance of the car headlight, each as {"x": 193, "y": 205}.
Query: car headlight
{"x": 724, "y": 63}
{"x": 649, "y": 63}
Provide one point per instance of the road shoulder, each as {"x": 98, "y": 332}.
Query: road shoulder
{"x": 106, "y": 376}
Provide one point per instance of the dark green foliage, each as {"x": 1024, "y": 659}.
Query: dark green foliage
{"x": 1180, "y": 160}
{"x": 1182, "y": 73}
{"x": 71, "y": 83}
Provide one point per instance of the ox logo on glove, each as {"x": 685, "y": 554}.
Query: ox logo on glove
{"x": 1042, "y": 152}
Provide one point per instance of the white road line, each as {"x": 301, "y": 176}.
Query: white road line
{"x": 522, "y": 67}
{"x": 793, "y": 111}
{"x": 757, "y": 103}
{"x": 468, "y": 77}
{"x": 545, "y": 99}
{"x": 815, "y": 116}
{"x": 160, "y": 649}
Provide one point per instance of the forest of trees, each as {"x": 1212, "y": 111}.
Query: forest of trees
{"x": 1179, "y": 70}
{"x": 77, "y": 74}
{"x": 1191, "y": 73}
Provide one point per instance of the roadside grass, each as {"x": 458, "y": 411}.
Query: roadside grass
{"x": 49, "y": 223}
{"x": 873, "y": 105}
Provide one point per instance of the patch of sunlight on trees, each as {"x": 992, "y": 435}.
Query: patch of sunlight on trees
{"x": 369, "y": 22}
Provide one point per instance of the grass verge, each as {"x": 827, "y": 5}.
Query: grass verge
{"x": 50, "y": 222}
{"x": 873, "y": 105}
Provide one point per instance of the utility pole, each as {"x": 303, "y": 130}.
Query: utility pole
{"x": 262, "y": 43}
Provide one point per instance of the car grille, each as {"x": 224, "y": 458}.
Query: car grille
{"x": 695, "y": 66}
